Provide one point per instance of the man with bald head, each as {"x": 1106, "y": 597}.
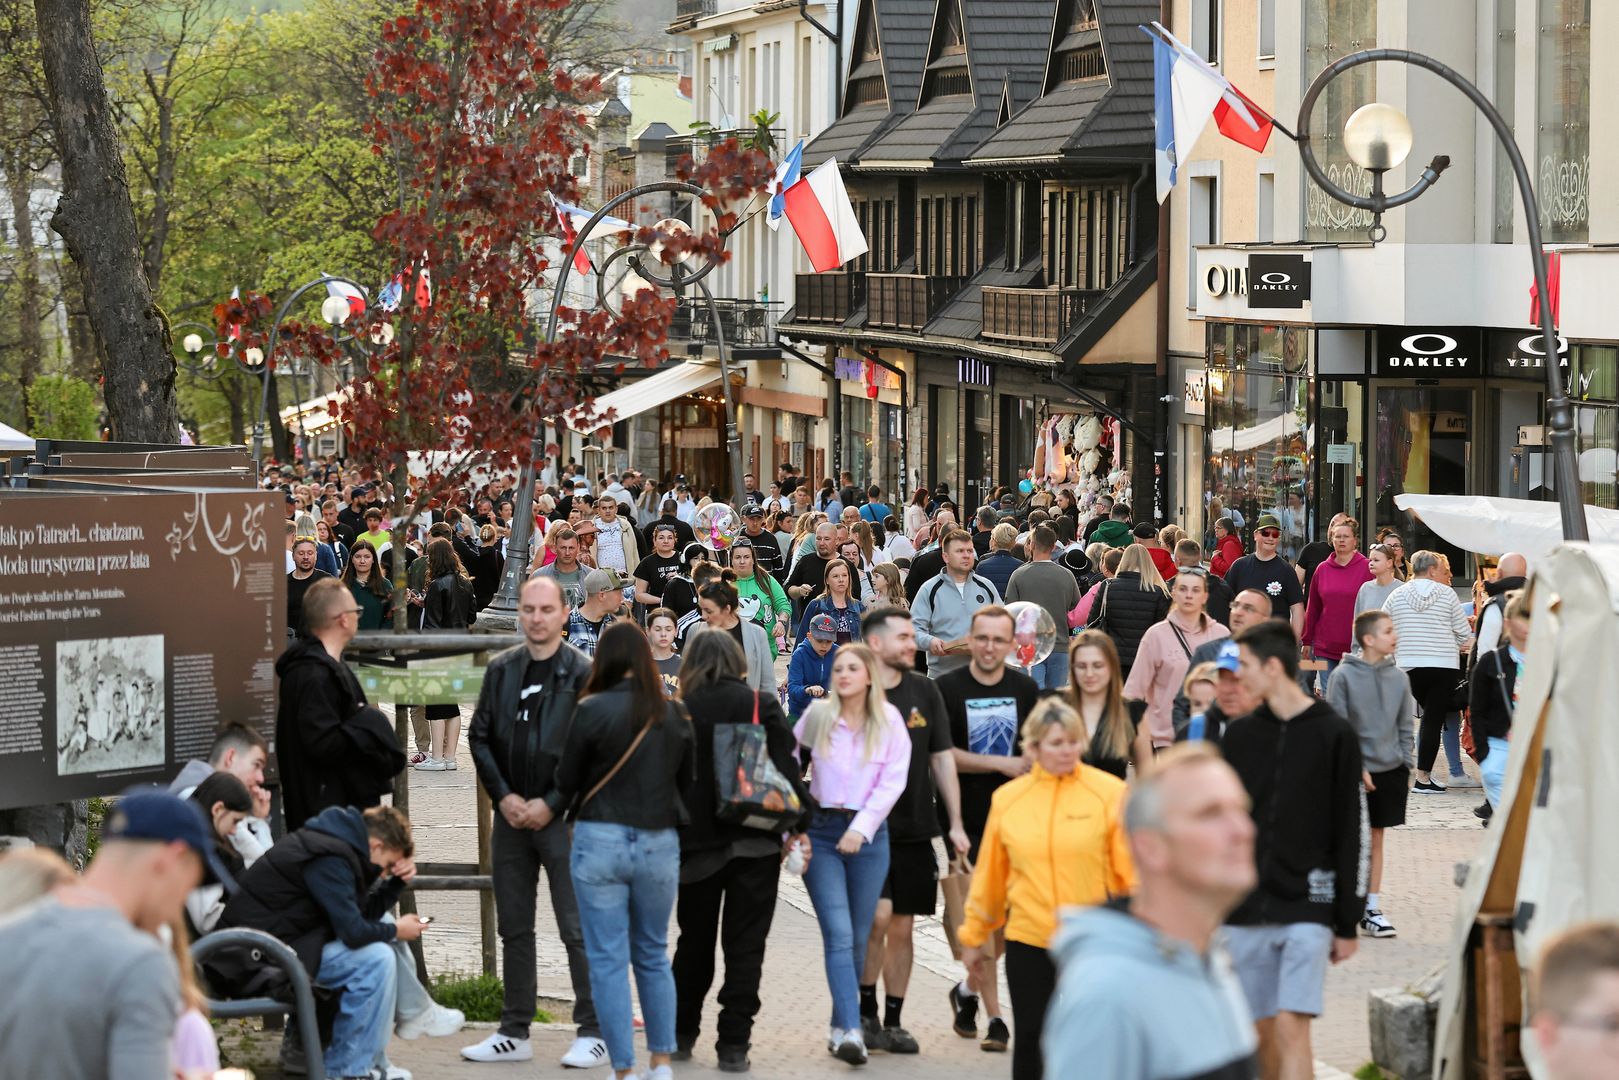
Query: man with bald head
{"x": 1511, "y": 574}
{"x": 517, "y": 735}
{"x": 809, "y": 573}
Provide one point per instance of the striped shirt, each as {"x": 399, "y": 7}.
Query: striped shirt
{"x": 1432, "y": 626}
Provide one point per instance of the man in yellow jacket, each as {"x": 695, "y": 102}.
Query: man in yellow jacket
{"x": 1055, "y": 838}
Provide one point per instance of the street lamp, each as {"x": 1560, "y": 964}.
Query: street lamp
{"x": 1378, "y": 138}
{"x": 503, "y": 608}
{"x": 330, "y": 313}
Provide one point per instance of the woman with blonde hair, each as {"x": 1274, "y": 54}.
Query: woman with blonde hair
{"x": 1170, "y": 535}
{"x": 1096, "y": 692}
{"x": 882, "y": 586}
{"x": 28, "y": 874}
{"x": 194, "y": 1050}
{"x": 1029, "y": 867}
{"x": 1132, "y": 602}
{"x": 860, "y": 752}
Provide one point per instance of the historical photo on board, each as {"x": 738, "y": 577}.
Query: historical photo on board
{"x": 109, "y": 704}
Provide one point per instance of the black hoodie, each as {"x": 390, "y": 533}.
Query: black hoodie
{"x": 333, "y": 748}
{"x": 1303, "y": 776}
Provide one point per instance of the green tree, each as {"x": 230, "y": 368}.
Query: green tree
{"x": 63, "y": 407}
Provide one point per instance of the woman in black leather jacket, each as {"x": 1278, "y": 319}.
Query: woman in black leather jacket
{"x": 1130, "y": 603}
{"x": 448, "y": 606}
{"x": 722, "y": 862}
{"x": 627, "y": 772}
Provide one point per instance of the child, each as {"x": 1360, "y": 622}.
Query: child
{"x": 660, "y": 631}
{"x": 810, "y": 670}
{"x": 1199, "y": 689}
{"x": 1375, "y": 697}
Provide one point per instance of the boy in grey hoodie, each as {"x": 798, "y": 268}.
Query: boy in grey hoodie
{"x": 1374, "y": 695}
{"x": 1123, "y": 969}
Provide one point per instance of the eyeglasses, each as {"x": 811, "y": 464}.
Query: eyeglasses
{"x": 353, "y": 611}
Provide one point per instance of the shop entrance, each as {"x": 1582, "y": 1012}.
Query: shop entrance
{"x": 1423, "y": 442}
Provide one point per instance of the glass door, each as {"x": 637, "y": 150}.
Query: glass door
{"x": 1423, "y": 440}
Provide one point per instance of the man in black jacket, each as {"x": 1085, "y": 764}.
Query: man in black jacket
{"x": 324, "y": 890}
{"x": 1301, "y": 764}
{"x": 334, "y": 748}
{"x": 518, "y": 731}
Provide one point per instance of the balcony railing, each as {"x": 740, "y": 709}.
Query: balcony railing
{"x": 693, "y": 9}
{"x": 697, "y": 144}
{"x": 827, "y": 298}
{"x": 906, "y": 301}
{"x": 1033, "y": 316}
{"x": 747, "y": 324}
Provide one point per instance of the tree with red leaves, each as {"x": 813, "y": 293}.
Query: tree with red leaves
{"x": 478, "y": 125}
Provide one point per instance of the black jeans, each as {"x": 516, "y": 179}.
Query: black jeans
{"x": 1031, "y": 980}
{"x": 517, "y": 856}
{"x": 747, "y": 889}
{"x": 1434, "y": 689}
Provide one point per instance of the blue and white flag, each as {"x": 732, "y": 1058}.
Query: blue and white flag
{"x": 786, "y": 176}
{"x": 1184, "y": 94}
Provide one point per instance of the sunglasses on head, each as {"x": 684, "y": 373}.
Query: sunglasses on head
{"x": 304, "y": 539}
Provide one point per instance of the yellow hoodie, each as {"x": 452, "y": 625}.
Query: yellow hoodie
{"x": 1050, "y": 842}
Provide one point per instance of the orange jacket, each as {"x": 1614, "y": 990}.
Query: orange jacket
{"x": 1050, "y": 842}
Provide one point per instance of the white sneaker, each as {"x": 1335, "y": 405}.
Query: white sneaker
{"x": 432, "y": 764}
{"x": 498, "y": 1047}
{"x": 1463, "y": 781}
{"x": 435, "y": 1022}
{"x": 393, "y": 1072}
{"x": 448, "y": 763}
{"x": 585, "y": 1053}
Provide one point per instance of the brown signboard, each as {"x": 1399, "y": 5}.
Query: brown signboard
{"x": 187, "y": 458}
{"x": 130, "y": 626}
{"x": 142, "y": 478}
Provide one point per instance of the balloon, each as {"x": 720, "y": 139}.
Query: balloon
{"x": 1025, "y": 486}
{"x": 715, "y": 526}
{"x": 1034, "y": 634}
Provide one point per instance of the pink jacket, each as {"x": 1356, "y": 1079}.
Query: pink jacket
{"x": 1082, "y": 610}
{"x": 1160, "y": 669}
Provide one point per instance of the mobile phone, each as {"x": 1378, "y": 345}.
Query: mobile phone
{"x": 424, "y": 919}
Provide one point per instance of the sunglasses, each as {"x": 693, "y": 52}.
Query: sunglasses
{"x": 304, "y": 539}
{"x": 1269, "y": 532}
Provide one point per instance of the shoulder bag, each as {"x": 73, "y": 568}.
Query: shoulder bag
{"x": 748, "y": 788}
{"x": 623, "y": 760}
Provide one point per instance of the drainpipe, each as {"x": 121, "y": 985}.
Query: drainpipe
{"x": 836, "y": 38}
{"x": 1135, "y": 191}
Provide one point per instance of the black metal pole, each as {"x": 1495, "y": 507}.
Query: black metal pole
{"x": 269, "y": 360}
{"x": 1559, "y": 410}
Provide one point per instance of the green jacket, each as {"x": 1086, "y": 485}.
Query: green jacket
{"x": 1114, "y": 534}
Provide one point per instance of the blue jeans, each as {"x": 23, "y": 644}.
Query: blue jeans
{"x": 365, "y": 1020}
{"x": 410, "y": 996}
{"x": 844, "y": 890}
{"x": 1493, "y": 769}
{"x": 625, "y": 881}
{"x": 1451, "y": 737}
{"x": 1052, "y": 672}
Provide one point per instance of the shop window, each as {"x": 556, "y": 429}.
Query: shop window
{"x": 1598, "y": 433}
{"x": 1257, "y": 456}
{"x": 1332, "y": 29}
{"x": 1505, "y": 98}
{"x": 1018, "y": 433}
{"x": 944, "y": 441}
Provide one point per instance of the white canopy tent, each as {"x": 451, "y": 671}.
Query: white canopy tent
{"x": 632, "y": 399}
{"x": 1547, "y": 861}
{"x": 1491, "y": 526}
{"x": 12, "y": 439}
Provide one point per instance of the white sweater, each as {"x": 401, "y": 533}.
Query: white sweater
{"x": 1432, "y": 626}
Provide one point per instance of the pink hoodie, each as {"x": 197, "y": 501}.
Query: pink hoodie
{"x": 1329, "y": 616}
{"x": 1160, "y": 669}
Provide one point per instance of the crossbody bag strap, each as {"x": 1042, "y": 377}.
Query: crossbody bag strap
{"x": 1181, "y": 637}
{"x": 622, "y": 761}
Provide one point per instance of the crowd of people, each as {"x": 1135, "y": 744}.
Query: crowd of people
{"x": 1161, "y": 816}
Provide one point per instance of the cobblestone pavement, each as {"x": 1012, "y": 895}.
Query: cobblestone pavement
{"x": 1418, "y": 896}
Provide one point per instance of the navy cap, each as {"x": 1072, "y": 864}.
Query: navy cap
{"x": 148, "y": 813}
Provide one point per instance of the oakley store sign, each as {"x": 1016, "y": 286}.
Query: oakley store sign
{"x": 1232, "y": 283}
{"x": 1405, "y": 352}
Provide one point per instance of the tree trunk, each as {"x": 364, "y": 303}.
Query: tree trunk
{"x": 96, "y": 220}
{"x": 280, "y": 444}
{"x": 84, "y": 355}
{"x": 30, "y": 344}
{"x": 157, "y": 241}
{"x": 234, "y": 390}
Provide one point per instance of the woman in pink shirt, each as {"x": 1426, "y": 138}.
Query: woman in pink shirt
{"x": 1329, "y": 614}
{"x": 860, "y": 752}
{"x": 1165, "y": 654}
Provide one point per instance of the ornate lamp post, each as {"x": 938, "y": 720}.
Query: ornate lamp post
{"x": 502, "y": 610}
{"x": 1378, "y": 138}
{"x": 335, "y": 310}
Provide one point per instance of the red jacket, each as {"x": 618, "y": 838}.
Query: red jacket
{"x": 1227, "y": 551}
{"x": 1164, "y": 560}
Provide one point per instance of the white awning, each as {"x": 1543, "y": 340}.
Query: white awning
{"x": 637, "y": 397}
{"x": 315, "y": 413}
{"x": 12, "y": 439}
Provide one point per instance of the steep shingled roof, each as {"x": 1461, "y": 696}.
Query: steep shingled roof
{"x": 902, "y": 33}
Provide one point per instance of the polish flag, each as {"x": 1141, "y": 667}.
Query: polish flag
{"x": 424, "y": 285}
{"x": 348, "y": 292}
{"x": 573, "y": 219}
{"x": 824, "y": 219}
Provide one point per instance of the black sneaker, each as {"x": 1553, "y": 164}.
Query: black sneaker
{"x": 733, "y": 1059}
{"x": 896, "y": 1040}
{"x": 996, "y": 1037}
{"x": 1484, "y": 811}
{"x": 683, "y": 1047}
{"x": 966, "y": 1012}
{"x": 872, "y": 1032}
{"x": 1428, "y": 787}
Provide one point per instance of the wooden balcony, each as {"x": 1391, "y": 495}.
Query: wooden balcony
{"x": 1033, "y": 316}
{"x": 907, "y": 301}
{"x": 827, "y": 298}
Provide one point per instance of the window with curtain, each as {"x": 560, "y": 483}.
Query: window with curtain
{"x": 1333, "y": 29}
{"x": 1563, "y": 120}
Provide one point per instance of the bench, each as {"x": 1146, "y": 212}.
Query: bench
{"x": 278, "y": 954}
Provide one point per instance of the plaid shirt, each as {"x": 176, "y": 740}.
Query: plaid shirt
{"x": 583, "y": 634}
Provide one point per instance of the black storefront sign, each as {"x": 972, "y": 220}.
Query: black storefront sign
{"x": 1278, "y": 281}
{"x": 1429, "y": 352}
{"x": 1521, "y": 354}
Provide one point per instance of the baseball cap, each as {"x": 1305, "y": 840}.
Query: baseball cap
{"x": 1268, "y": 521}
{"x": 147, "y": 813}
{"x": 1227, "y": 657}
{"x": 599, "y": 581}
{"x": 753, "y": 510}
{"x": 823, "y": 628}
{"x": 1144, "y": 531}
{"x": 290, "y": 498}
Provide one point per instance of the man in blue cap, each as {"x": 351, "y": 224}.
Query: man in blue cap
{"x": 1247, "y": 608}
{"x": 90, "y": 990}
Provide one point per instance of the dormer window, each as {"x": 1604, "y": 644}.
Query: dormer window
{"x": 867, "y": 84}
{"x": 947, "y": 74}
{"x": 1077, "y": 56}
